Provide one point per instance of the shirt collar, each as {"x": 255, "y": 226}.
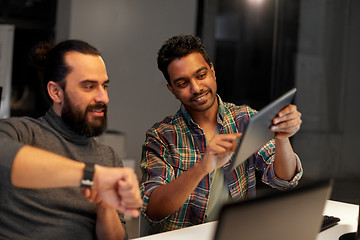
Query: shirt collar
{"x": 220, "y": 115}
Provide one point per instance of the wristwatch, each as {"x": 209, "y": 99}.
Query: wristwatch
{"x": 88, "y": 178}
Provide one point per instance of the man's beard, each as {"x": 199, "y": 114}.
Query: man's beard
{"x": 78, "y": 121}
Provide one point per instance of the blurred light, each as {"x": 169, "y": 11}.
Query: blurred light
{"x": 256, "y": 2}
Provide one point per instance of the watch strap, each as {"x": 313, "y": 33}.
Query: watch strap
{"x": 88, "y": 178}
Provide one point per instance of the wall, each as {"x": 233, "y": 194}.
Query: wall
{"x": 129, "y": 34}
{"x": 6, "y": 50}
{"x": 327, "y": 80}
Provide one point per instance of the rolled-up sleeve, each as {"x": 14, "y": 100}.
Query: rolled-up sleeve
{"x": 156, "y": 171}
{"x": 265, "y": 162}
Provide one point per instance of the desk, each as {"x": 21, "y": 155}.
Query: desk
{"x": 346, "y": 212}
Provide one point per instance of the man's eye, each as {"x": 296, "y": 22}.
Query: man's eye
{"x": 181, "y": 84}
{"x": 202, "y": 76}
{"x": 105, "y": 86}
{"x": 89, "y": 87}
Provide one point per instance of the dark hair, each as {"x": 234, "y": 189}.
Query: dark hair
{"x": 50, "y": 62}
{"x": 177, "y": 47}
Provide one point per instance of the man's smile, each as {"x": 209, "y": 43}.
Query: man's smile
{"x": 200, "y": 97}
{"x": 97, "y": 111}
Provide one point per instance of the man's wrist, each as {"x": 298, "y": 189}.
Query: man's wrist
{"x": 200, "y": 169}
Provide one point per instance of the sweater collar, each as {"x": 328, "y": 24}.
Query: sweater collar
{"x": 63, "y": 129}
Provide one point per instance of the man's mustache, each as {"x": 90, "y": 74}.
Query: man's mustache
{"x": 97, "y": 106}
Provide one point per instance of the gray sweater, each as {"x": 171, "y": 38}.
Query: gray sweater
{"x": 60, "y": 213}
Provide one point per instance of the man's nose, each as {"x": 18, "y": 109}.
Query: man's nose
{"x": 102, "y": 95}
{"x": 195, "y": 86}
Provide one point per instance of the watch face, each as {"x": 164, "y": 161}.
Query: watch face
{"x": 86, "y": 183}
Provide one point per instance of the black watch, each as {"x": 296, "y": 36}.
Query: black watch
{"x": 88, "y": 178}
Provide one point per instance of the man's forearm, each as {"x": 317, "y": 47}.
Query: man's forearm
{"x": 285, "y": 160}
{"x": 168, "y": 198}
{"x": 37, "y": 168}
{"x": 108, "y": 224}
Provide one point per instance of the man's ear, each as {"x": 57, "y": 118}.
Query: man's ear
{"x": 212, "y": 69}
{"x": 171, "y": 89}
{"x": 56, "y": 93}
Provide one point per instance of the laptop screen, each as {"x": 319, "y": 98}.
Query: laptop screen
{"x": 294, "y": 214}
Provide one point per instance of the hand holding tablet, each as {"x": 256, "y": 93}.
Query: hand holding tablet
{"x": 258, "y": 131}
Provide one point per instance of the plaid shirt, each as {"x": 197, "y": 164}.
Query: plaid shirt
{"x": 177, "y": 143}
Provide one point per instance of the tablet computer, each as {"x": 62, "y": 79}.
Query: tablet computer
{"x": 257, "y": 132}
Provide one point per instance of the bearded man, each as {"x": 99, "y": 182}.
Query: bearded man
{"x": 76, "y": 81}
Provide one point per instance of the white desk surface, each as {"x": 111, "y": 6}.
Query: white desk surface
{"x": 346, "y": 212}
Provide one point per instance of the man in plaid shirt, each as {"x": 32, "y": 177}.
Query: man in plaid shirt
{"x": 186, "y": 157}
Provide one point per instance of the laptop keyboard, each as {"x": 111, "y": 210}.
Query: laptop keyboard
{"x": 328, "y": 222}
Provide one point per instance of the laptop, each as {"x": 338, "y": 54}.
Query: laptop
{"x": 257, "y": 132}
{"x": 295, "y": 214}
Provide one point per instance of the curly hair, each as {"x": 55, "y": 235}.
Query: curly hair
{"x": 177, "y": 47}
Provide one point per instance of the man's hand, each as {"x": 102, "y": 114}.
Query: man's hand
{"x": 219, "y": 151}
{"x": 93, "y": 196}
{"x": 287, "y": 122}
{"x": 117, "y": 187}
